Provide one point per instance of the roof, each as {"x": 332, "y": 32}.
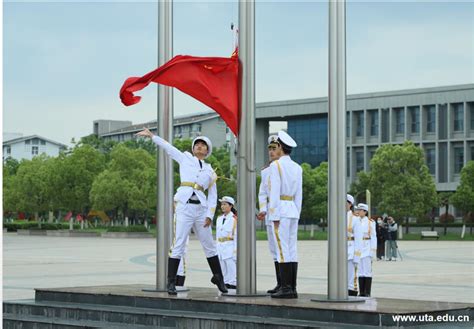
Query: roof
{"x": 177, "y": 121}
{"x": 22, "y": 139}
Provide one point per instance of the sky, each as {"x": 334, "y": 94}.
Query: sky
{"x": 64, "y": 62}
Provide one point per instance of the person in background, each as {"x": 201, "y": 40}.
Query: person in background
{"x": 381, "y": 235}
{"x": 392, "y": 229}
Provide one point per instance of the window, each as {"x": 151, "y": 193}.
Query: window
{"x": 399, "y": 121}
{"x": 359, "y": 160}
{"x": 431, "y": 160}
{"x": 348, "y": 162}
{"x": 348, "y": 124}
{"x": 27, "y": 142}
{"x": 359, "y": 123}
{"x": 374, "y": 123}
{"x": 34, "y": 150}
{"x": 472, "y": 153}
{"x": 9, "y": 150}
{"x": 35, "y": 141}
{"x": 43, "y": 142}
{"x": 415, "y": 119}
{"x": 458, "y": 112}
{"x": 430, "y": 119}
{"x": 472, "y": 116}
{"x": 196, "y": 127}
{"x": 458, "y": 159}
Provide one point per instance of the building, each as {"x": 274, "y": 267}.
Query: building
{"x": 186, "y": 126}
{"x": 439, "y": 119}
{"x": 30, "y": 146}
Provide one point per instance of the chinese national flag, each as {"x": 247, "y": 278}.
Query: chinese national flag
{"x": 213, "y": 81}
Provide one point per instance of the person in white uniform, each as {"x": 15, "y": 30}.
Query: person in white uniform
{"x": 226, "y": 239}
{"x": 354, "y": 244}
{"x": 274, "y": 153}
{"x": 286, "y": 196}
{"x": 181, "y": 274}
{"x": 193, "y": 208}
{"x": 368, "y": 249}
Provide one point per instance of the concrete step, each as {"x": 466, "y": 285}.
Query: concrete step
{"x": 23, "y": 321}
{"x": 147, "y": 318}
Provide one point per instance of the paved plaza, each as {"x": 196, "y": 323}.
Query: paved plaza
{"x": 430, "y": 270}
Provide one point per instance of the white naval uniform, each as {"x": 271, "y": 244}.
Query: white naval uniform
{"x": 368, "y": 248}
{"x": 286, "y": 196}
{"x": 192, "y": 215}
{"x": 354, "y": 245}
{"x": 226, "y": 240}
{"x": 182, "y": 263}
{"x": 263, "y": 193}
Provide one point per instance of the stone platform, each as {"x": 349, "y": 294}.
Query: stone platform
{"x": 128, "y": 306}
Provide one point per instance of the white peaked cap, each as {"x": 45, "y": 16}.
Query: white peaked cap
{"x": 205, "y": 140}
{"x": 228, "y": 199}
{"x": 362, "y": 206}
{"x": 272, "y": 139}
{"x": 286, "y": 139}
{"x": 350, "y": 198}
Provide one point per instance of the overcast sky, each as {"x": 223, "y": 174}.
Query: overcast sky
{"x": 64, "y": 62}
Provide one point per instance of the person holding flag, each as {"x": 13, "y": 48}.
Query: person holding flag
{"x": 193, "y": 208}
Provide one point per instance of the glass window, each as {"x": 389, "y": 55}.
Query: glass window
{"x": 472, "y": 153}
{"x": 400, "y": 120}
{"x": 458, "y": 112}
{"x": 359, "y": 160}
{"x": 27, "y": 142}
{"x": 359, "y": 123}
{"x": 348, "y": 124}
{"x": 430, "y": 119}
{"x": 35, "y": 141}
{"x": 472, "y": 116}
{"x": 458, "y": 159}
{"x": 415, "y": 119}
{"x": 9, "y": 150}
{"x": 431, "y": 160}
{"x": 34, "y": 150}
{"x": 43, "y": 142}
{"x": 348, "y": 162}
{"x": 374, "y": 123}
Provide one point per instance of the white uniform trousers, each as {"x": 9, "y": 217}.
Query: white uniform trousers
{"x": 365, "y": 267}
{"x": 286, "y": 238}
{"x": 271, "y": 242}
{"x": 192, "y": 216}
{"x": 229, "y": 270}
{"x": 352, "y": 275}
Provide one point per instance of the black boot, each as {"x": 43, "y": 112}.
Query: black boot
{"x": 294, "y": 275}
{"x": 361, "y": 286}
{"x": 278, "y": 286}
{"x": 352, "y": 292}
{"x": 368, "y": 286}
{"x": 286, "y": 291}
{"x": 180, "y": 280}
{"x": 217, "y": 278}
{"x": 230, "y": 286}
{"x": 173, "y": 264}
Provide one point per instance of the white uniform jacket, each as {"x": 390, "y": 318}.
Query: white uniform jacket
{"x": 226, "y": 236}
{"x": 354, "y": 237}
{"x": 286, "y": 189}
{"x": 190, "y": 171}
{"x": 263, "y": 193}
{"x": 369, "y": 238}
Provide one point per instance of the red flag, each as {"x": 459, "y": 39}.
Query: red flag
{"x": 213, "y": 81}
{"x": 68, "y": 216}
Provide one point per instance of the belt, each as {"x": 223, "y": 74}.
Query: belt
{"x": 350, "y": 239}
{"x": 366, "y": 238}
{"x": 225, "y": 239}
{"x": 286, "y": 198}
{"x": 195, "y": 186}
{"x": 194, "y": 201}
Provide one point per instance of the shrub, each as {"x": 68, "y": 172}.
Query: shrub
{"x": 133, "y": 228}
{"x": 446, "y": 218}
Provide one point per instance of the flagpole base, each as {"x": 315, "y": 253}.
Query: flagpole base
{"x": 350, "y": 299}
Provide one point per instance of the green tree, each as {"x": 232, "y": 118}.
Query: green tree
{"x": 400, "y": 181}
{"x": 464, "y": 197}
{"x": 360, "y": 186}
{"x": 444, "y": 199}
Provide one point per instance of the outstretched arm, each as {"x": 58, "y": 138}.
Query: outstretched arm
{"x": 172, "y": 151}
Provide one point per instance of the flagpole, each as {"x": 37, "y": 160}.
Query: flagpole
{"x": 246, "y": 180}
{"x": 337, "y": 235}
{"x": 164, "y": 213}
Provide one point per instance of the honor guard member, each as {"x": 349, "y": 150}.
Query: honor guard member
{"x": 368, "y": 249}
{"x": 226, "y": 239}
{"x": 263, "y": 194}
{"x": 354, "y": 244}
{"x": 286, "y": 195}
{"x": 181, "y": 274}
{"x": 193, "y": 208}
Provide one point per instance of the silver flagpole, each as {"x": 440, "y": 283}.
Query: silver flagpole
{"x": 337, "y": 231}
{"x": 246, "y": 179}
{"x": 164, "y": 215}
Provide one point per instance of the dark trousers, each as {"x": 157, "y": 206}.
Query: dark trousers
{"x": 380, "y": 248}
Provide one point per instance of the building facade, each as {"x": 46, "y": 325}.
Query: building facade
{"x": 30, "y": 146}
{"x": 440, "y": 120}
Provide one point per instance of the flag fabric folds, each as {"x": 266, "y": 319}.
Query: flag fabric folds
{"x": 213, "y": 81}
